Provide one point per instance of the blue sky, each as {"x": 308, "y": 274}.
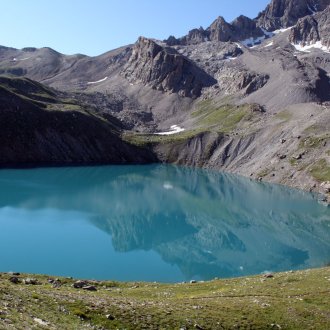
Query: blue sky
{"x": 93, "y": 27}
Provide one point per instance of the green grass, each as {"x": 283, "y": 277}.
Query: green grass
{"x": 209, "y": 117}
{"x": 222, "y": 118}
{"x": 284, "y": 115}
{"x": 321, "y": 170}
{"x": 292, "y": 300}
{"x": 314, "y": 141}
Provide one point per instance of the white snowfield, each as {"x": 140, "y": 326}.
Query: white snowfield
{"x": 307, "y": 48}
{"x": 96, "y": 82}
{"x": 173, "y": 130}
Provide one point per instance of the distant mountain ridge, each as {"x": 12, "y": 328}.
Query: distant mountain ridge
{"x": 278, "y": 14}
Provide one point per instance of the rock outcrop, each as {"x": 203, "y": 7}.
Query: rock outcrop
{"x": 285, "y": 13}
{"x": 164, "y": 69}
{"x": 312, "y": 29}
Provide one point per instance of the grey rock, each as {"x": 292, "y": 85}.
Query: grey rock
{"x": 311, "y": 29}
{"x": 30, "y": 281}
{"x": 285, "y": 13}
{"x": 14, "y": 279}
{"x": 79, "y": 284}
{"x": 164, "y": 69}
{"x": 89, "y": 288}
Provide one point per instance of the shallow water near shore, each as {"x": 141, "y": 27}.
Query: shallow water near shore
{"x": 156, "y": 223}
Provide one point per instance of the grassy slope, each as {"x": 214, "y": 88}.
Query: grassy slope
{"x": 291, "y": 300}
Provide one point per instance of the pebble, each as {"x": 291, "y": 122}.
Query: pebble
{"x": 14, "y": 280}
{"x": 30, "y": 281}
{"x": 89, "y": 288}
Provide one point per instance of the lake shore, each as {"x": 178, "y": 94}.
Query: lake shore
{"x": 288, "y": 300}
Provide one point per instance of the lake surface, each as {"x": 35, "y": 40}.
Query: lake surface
{"x": 155, "y": 223}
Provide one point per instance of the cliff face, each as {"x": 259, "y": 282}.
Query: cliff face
{"x": 312, "y": 29}
{"x": 164, "y": 69}
{"x": 285, "y": 13}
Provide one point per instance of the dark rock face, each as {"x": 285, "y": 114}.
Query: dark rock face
{"x": 164, "y": 69}
{"x": 285, "y": 13}
{"x": 36, "y": 132}
{"x": 311, "y": 29}
{"x": 220, "y": 30}
{"x": 245, "y": 27}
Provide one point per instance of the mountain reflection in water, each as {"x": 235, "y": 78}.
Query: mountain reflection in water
{"x": 207, "y": 224}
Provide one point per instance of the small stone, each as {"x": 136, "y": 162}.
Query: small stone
{"x": 30, "y": 281}
{"x": 193, "y": 282}
{"x": 14, "y": 280}
{"x": 79, "y": 284}
{"x": 269, "y": 275}
{"x": 110, "y": 317}
{"x": 40, "y": 321}
{"x": 89, "y": 288}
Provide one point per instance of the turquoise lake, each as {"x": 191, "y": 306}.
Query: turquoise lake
{"x": 156, "y": 223}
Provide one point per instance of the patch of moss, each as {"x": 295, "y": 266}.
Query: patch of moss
{"x": 284, "y": 115}
{"x": 321, "y": 170}
{"x": 314, "y": 141}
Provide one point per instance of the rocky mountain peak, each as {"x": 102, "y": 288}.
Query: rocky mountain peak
{"x": 285, "y": 13}
{"x": 164, "y": 69}
{"x": 220, "y": 30}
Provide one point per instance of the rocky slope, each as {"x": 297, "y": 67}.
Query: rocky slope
{"x": 40, "y": 127}
{"x": 236, "y": 89}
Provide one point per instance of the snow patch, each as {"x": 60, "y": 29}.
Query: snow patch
{"x": 311, "y": 10}
{"x": 229, "y": 58}
{"x": 307, "y": 48}
{"x": 251, "y": 42}
{"x": 173, "y": 130}
{"x": 282, "y": 30}
{"x": 96, "y": 82}
{"x": 268, "y": 34}
{"x": 270, "y": 44}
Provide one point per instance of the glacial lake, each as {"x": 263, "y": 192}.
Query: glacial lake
{"x": 156, "y": 223}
